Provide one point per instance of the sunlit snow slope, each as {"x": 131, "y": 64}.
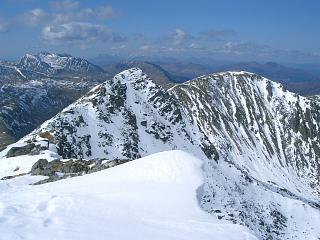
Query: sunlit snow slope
{"x": 150, "y": 198}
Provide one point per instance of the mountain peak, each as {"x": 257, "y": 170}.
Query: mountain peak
{"x": 237, "y": 73}
{"x": 131, "y": 71}
{"x": 132, "y": 74}
{"x": 28, "y": 55}
{"x": 52, "y": 63}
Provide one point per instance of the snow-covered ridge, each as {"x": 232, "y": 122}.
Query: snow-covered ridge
{"x": 253, "y": 113}
{"x": 50, "y": 63}
{"x": 126, "y": 117}
{"x": 258, "y": 142}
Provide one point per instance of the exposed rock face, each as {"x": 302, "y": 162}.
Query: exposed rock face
{"x": 29, "y": 149}
{"x": 58, "y": 169}
{"x": 271, "y": 136}
{"x": 253, "y": 118}
{"x": 260, "y": 143}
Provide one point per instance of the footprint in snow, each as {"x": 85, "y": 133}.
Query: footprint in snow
{"x": 48, "y": 205}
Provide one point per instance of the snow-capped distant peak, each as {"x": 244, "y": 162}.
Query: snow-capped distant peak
{"x": 51, "y": 63}
{"x": 54, "y": 60}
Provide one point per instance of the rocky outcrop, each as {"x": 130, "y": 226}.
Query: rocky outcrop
{"x": 58, "y": 169}
{"x": 29, "y": 149}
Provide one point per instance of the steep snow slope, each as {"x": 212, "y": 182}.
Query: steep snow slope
{"x": 126, "y": 117}
{"x": 272, "y": 137}
{"x": 257, "y": 124}
{"x": 153, "y": 197}
{"x": 259, "y": 143}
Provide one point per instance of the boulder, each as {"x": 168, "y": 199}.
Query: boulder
{"x": 58, "y": 169}
{"x": 41, "y": 167}
{"x": 29, "y": 149}
{"x": 79, "y": 166}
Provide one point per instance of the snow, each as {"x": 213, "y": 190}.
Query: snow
{"x": 53, "y": 60}
{"x": 247, "y": 185}
{"x": 150, "y": 198}
{"x": 22, "y": 164}
{"x": 19, "y": 71}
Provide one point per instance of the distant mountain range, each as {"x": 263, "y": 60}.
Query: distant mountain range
{"x": 304, "y": 82}
{"x": 161, "y": 76}
{"x": 303, "y": 79}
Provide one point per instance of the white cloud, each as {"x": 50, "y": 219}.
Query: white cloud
{"x": 38, "y": 16}
{"x": 179, "y": 36}
{"x": 240, "y": 48}
{"x": 102, "y": 12}
{"x": 79, "y": 32}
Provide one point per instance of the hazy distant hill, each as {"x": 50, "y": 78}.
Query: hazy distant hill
{"x": 304, "y": 82}
{"x": 156, "y": 72}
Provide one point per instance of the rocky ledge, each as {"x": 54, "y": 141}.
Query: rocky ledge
{"x": 58, "y": 169}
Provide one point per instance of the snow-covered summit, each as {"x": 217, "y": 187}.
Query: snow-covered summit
{"x": 51, "y": 63}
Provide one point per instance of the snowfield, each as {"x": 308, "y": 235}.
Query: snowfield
{"x": 154, "y": 197}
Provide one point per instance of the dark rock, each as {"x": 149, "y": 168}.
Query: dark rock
{"x": 13, "y": 176}
{"x": 79, "y": 166}
{"x": 29, "y": 149}
{"x": 70, "y": 168}
{"x": 40, "y": 168}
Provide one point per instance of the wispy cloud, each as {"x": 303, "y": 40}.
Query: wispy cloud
{"x": 84, "y": 14}
{"x": 33, "y": 17}
{"x": 65, "y": 21}
{"x": 180, "y": 41}
{"x": 178, "y": 36}
{"x": 40, "y": 17}
{"x": 64, "y": 5}
{"x": 241, "y": 48}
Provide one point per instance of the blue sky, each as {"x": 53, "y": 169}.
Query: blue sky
{"x": 260, "y": 30}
